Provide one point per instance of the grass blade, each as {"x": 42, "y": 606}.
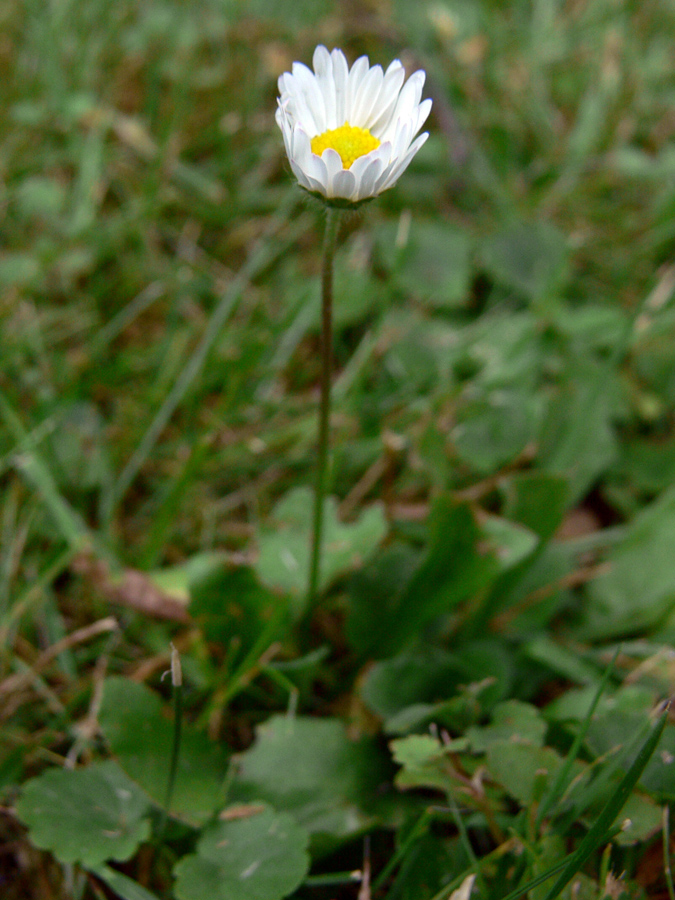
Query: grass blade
{"x": 564, "y": 775}
{"x": 598, "y": 832}
{"x": 260, "y": 257}
{"x": 122, "y": 886}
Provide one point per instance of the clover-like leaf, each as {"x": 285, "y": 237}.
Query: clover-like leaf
{"x": 133, "y": 722}
{"x": 284, "y": 547}
{"x": 86, "y": 815}
{"x": 513, "y": 721}
{"x": 637, "y": 590}
{"x": 260, "y": 857}
{"x": 310, "y": 768}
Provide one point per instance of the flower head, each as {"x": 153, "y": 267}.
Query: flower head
{"x": 350, "y": 133}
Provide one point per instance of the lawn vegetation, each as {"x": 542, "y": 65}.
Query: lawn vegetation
{"x": 474, "y": 707}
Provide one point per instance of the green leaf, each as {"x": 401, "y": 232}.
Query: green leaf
{"x": 284, "y": 544}
{"x": 425, "y": 865}
{"x": 494, "y": 430}
{"x": 424, "y": 763}
{"x": 615, "y": 725}
{"x": 648, "y": 463}
{"x": 591, "y": 327}
{"x": 417, "y": 750}
{"x": 556, "y": 789}
{"x": 430, "y": 260}
{"x": 420, "y": 716}
{"x": 232, "y": 608}
{"x": 310, "y": 767}
{"x": 409, "y": 366}
{"x": 582, "y": 407}
{"x": 501, "y": 351}
{"x": 567, "y": 663}
{"x": 86, "y": 815}
{"x": 536, "y": 500}
{"x": 140, "y": 735}
{"x": 513, "y": 721}
{"x": 414, "y": 677}
{"x": 530, "y": 258}
{"x": 511, "y": 542}
{"x": 375, "y": 598}
{"x": 642, "y": 818}
{"x": 491, "y": 669}
{"x": 263, "y": 857}
{"x": 600, "y": 828}
{"x": 356, "y": 293}
{"x": 573, "y": 705}
{"x": 123, "y": 886}
{"x": 638, "y": 590}
{"x": 523, "y": 770}
{"x": 550, "y": 853}
{"x": 180, "y": 580}
{"x": 455, "y": 566}
{"x": 410, "y": 691}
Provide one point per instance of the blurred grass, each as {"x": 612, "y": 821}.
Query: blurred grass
{"x": 158, "y": 275}
{"x": 141, "y": 163}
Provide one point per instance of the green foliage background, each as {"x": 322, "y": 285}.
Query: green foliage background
{"x": 503, "y": 519}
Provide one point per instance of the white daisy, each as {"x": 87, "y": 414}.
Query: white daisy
{"x": 350, "y": 133}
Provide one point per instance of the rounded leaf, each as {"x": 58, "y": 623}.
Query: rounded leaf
{"x": 85, "y": 815}
{"x": 262, "y": 857}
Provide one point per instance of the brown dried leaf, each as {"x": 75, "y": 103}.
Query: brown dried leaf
{"x": 133, "y": 589}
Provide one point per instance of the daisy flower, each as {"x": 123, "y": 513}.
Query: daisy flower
{"x": 350, "y": 133}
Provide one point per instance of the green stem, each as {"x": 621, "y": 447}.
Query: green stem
{"x": 175, "y": 747}
{"x": 329, "y": 242}
{"x": 177, "y": 689}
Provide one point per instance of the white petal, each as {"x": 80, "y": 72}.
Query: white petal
{"x": 333, "y": 163}
{"x": 367, "y": 177}
{"x": 407, "y": 102}
{"x": 423, "y": 113}
{"x": 344, "y": 185}
{"x": 310, "y": 163}
{"x": 356, "y": 75}
{"x": 323, "y": 66}
{"x": 393, "y": 79}
{"x": 402, "y": 140}
{"x": 361, "y": 163}
{"x": 383, "y": 153}
{"x": 307, "y": 101}
{"x": 286, "y": 130}
{"x": 401, "y": 165}
{"x": 311, "y": 184}
{"x": 340, "y": 74}
{"x": 417, "y": 80}
{"x": 303, "y": 180}
{"x": 320, "y": 57}
{"x": 366, "y": 97}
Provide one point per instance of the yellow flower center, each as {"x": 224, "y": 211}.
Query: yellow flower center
{"x": 349, "y": 141}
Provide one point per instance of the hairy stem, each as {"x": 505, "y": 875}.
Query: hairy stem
{"x": 329, "y": 243}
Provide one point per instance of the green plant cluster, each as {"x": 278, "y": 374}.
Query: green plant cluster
{"x": 475, "y": 706}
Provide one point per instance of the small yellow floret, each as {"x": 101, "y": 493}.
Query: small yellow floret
{"x": 349, "y": 141}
